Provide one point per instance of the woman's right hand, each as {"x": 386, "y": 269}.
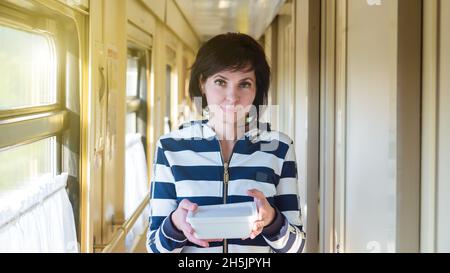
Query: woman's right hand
{"x": 179, "y": 220}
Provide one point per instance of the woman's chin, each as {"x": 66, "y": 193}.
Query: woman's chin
{"x": 234, "y": 119}
{"x": 231, "y": 117}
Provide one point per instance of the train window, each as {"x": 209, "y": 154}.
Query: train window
{"x": 16, "y": 172}
{"x": 28, "y": 83}
{"x": 136, "y": 90}
{"x": 131, "y": 123}
{"x": 171, "y": 88}
{"x": 167, "y": 119}
{"x": 27, "y": 69}
{"x": 39, "y": 106}
{"x": 132, "y": 76}
{"x": 136, "y": 182}
{"x": 183, "y": 111}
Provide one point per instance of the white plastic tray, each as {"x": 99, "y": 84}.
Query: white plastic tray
{"x": 228, "y": 221}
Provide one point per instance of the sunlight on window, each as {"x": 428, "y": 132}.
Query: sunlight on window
{"x": 131, "y": 123}
{"x": 27, "y": 69}
{"x": 21, "y": 164}
{"x": 132, "y": 77}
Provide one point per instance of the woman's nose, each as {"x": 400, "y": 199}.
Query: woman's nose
{"x": 232, "y": 95}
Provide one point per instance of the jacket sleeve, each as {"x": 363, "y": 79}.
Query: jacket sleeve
{"x": 162, "y": 236}
{"x": 285, "y": 233}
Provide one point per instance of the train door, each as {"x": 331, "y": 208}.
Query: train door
{"x": 371, "y": 130}
{"x": 435, "y": 186}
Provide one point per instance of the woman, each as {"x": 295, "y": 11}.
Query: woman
{"x": 227, "y": 158}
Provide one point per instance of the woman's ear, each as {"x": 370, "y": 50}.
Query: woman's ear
{"x": 201, "y": 84}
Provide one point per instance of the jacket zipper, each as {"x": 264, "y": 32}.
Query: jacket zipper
{"x": 226, "y": 177}
{"x": 225, "y": 193}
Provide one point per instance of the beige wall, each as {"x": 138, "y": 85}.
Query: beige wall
{"x": 443, "y": 170}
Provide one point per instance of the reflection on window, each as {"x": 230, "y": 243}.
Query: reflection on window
{"x": 21, "y": 164}
{"x": 27, "y": 69}
{"x": 167, "y": 121}
{"x": 132, "y": 76}
{"x": 136, "y": 182}
{"x": 131, "y": 123}
{"x": 136, "y": 90}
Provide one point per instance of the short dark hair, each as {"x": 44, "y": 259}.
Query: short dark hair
{"x": 231, "y": 51}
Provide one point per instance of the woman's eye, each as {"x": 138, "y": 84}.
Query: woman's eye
{"x": 246, "y": 85}
{"x": 220, "y": 82}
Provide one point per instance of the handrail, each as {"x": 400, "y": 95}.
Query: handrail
{"x": 135, "y": 216}
{"x": 123, "y": 230}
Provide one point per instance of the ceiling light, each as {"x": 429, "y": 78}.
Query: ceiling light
{"x": 224, "y": 4}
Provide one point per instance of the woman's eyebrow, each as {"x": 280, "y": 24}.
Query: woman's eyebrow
{"x": 241, "y": 80}
{"x": 217, "y": 76}
{"x": 248, "y": 78}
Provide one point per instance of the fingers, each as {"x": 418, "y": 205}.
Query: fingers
{"x": 254, "y": 234}
{"x": 261, "y": 201}
{"x": 258, "y": 225}
{"x": 188, "y": 205}
{"x": 257, "y": 229}
{"x": 196, "y": 241}
{"x": 188, "y": 228}
{"x": 259, "y": 197}
{"x": 214, "y": 240}
{"x": 256, "y": 194}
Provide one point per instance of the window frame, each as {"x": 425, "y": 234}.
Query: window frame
{"x": 138, "y": 104}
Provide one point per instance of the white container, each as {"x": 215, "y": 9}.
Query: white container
{"x": 228, "y": 221}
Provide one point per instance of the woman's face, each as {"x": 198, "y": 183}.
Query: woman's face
{"x": 230, "y": 95}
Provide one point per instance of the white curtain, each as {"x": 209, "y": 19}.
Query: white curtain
{"x": 136, "y": 186}
{"x": 38, "y": 218}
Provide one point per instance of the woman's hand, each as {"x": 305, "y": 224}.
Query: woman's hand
{"x": 179, "y": 220}
{"x": 266, "y": 213}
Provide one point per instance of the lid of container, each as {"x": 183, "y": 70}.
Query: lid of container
{"x": 225, "y": 212}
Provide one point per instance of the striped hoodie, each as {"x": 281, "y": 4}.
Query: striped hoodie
{"x": 188, "y": 164}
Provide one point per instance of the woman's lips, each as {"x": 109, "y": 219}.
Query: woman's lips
{"x": 229, "y": 108}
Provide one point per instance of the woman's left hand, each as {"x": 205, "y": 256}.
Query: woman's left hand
{"x": 266, "y": 213}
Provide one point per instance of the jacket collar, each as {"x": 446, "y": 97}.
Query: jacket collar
{"x": 253, "y": 133}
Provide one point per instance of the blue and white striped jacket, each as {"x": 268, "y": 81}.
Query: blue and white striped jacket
{"x": 188, "y": 164}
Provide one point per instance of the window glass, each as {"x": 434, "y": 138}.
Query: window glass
{"x": 167, "y": 121}
{"x": 27, "y": 69}
{"x": 132, "y": 76}
{"x": 22, "y": 164}
{"x": 131, "y": 123}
